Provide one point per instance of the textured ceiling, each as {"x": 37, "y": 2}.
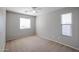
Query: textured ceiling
{"x": 28, "y": 10}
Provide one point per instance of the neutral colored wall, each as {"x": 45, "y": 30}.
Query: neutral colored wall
{"x": 48, "y": 26}
{"x": 2, "y": 29}
{"x": 13, "y": 26}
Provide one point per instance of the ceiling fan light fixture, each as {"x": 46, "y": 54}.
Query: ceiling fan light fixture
{"x": 34, "y": 11}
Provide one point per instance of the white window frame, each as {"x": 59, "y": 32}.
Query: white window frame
{"x": 25, "y": 23}
{"x": 69, "y": 32}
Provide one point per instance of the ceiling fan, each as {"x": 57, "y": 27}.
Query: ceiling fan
{"x": 34, "y": 10}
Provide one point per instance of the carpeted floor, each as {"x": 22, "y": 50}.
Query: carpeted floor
{"x": 35, "y": 44}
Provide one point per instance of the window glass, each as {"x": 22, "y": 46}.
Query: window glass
{"x": 66, "y": 18}
{"x": 66, "y": 21}
{"x": 25, "y": 23}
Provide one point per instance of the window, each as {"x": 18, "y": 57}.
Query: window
{"x": 25, "y": 23}
{"x": 66, "y": 21}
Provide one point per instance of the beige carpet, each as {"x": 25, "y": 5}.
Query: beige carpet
{"x": 35, "y": 44}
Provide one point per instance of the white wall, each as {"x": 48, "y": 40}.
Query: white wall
{"x": 13, "y": 26}
{"x": 2, "y": 29}
{"x": 48, "y": 26}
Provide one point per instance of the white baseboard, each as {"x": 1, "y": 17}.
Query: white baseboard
{"x": 67, "y": 45}
{"x": 62, "y": 43}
